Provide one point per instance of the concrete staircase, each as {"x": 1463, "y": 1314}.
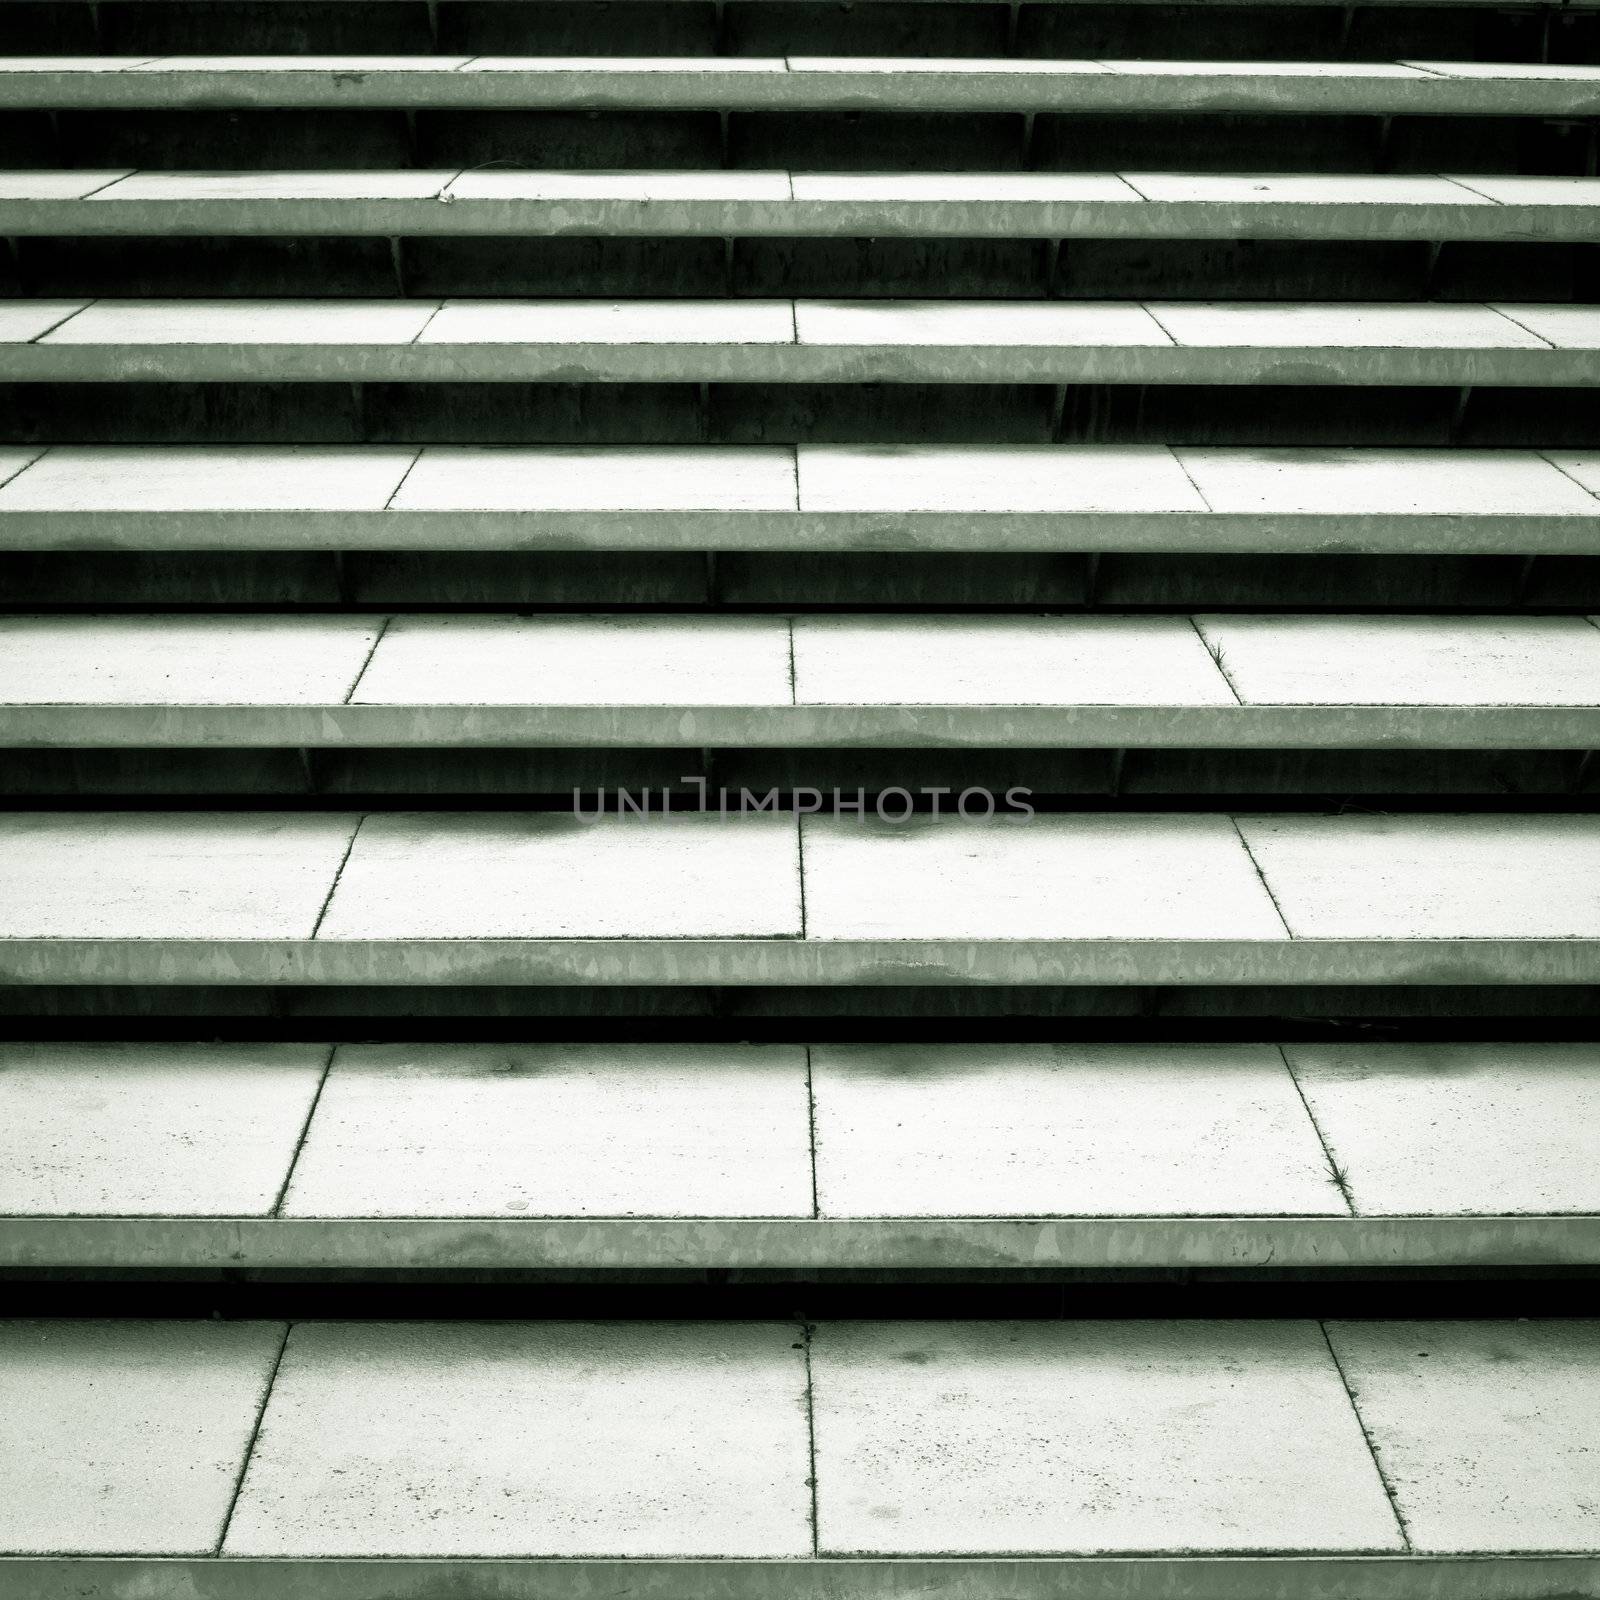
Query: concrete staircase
{"x": 799, "y": 800}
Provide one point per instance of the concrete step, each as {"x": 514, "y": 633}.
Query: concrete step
{"x": 1221, "y": 682}
{"x": 801, "y": 83}
{"x": 852, "y": 898}
{"x": 783, "y": 341}
{"x": 725, "y": 204}
{"x": 789, "y": 1459}
{"x": 806, "y": 498}
{"x": 386, "y": 1157}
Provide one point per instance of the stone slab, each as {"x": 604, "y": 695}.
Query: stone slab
{"x": 558, "y": 1131}
{"x": 161, "y": 876}
{"x": 1064, "y": 1130}
{"x": 1459, "y": 1129}
{"x": 56, "y": 185}
{"x": 1382, "y": 482}
{"x": 1006, "y": 661}
{"x": 184, "y": 660}
{"x": 964, "y": 323}
{"x": 979, "y": 478}
{"x": 1566, "y": 327}
{"x": 574, "y": 660}
{"x": 126, "y": 1437}
{"x": 208, "y": 478}
{"x": 552, "y": 875}
{"x": 562, "y": 1439}
{"x": 1583, "y": 469}
{"x": 24, "y": 320}
{"x": 1398, "y": 660}
{"x": 115, "y": 322}
{"x": 1431, "y": 877}
{"x": 963, "y": 187}
{"x": 1045, "y": 877}
{"x": 1485, "y": 1430}
{"x": 1304, "y": 189}
{"x": 1520, "y": 71}
{"x": 599, "y": 478}
{"x": 713, "y": 184}
{"x": 972, "y": 1438}
{"x": 364, "y": 185}
{"x": 1264, "y": 324}
{"x": 612, "y": 322}
{"x": 151, "y": 1129}
{"x": 1545, "y": 191}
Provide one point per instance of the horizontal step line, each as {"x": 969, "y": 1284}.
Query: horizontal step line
{"x": 802, "y": 83}
{"x": 723, "y": 204}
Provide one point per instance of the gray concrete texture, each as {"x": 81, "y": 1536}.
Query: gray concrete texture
{"x": 666, "y": 1440}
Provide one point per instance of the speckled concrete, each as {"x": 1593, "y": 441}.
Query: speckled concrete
{"x": 194, "y": 660}
{"x": 1063, "y": 1130}
{"x": 1431, "y": 877}
{"x": 558, "y": 1130}
{"x": 1484, "y": 1430}
{"x": 1469, "y": 1129}
{"x": 570, "y": 1439}
{"x": 982, "y": 478}
{"x": 208, "y": 478}
{"x": 1030, "y": 1437}
{"x": 126, "y": 1437}
{"x": 551, "y": 875}
{"x": 151, "y": 1129}
{"x": 1050, "y": 877}
{"x": 952, "y": 660}
{"x": 680, "y": 479}
{"x": 1420, "y": 660}
{"x": 22, "y": 320}
{"x": 167, "y": 875}
{"x": 576, "y": 660}
{"x": 1410, "y": 482}
{"x": 612, "y": 321}
{"x": 245, "y": 322}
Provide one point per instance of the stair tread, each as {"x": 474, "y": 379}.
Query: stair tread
{"x": 803, "y": 82}
{"x": 972, "y": 479}
{"x": 839, "y": 1132}
{"x": 797, "y": 341}
{"x": 722, "y": 203}
{"x": 688, "y": 661}
{"x": 1237, "y": 897}
{"x": 758, "y": 1440}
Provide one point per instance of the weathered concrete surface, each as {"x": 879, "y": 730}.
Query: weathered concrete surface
{"x": 154, "y": 875}
{"x": 1417, "y": 660}
{"x": 1469, "y": 1129}
{"x": 572, "y": 660}
{"x": 581, "y": 322}
{"x": 1041, "y": 1130}
{"x": 126, "y": 1437}
{"x": 552, "y": 875}
{"x": 151, "y": 1129}
{"x": 1445, "y": 877}
{"x": 200, "y": 660}
{"x": 626, "y": 1438}
{"x": 1064, "y": 877}
{"x": 1384, "y": 482}
{"x": 1004, "y": 661}
{"x": 814, "y": 82}
{"x": 601, "y": 479}
{"x": 88, "y": 478}
{"x": 22, "y": 320}
{"x": 244, "y": 322}
{"x": 557, "y": 1130}
{"x": 731, "y": 204}
{"x": 1484, "y": 1430}
{"x": 899, "y": 479}
{"x": 967, "y": 1438}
